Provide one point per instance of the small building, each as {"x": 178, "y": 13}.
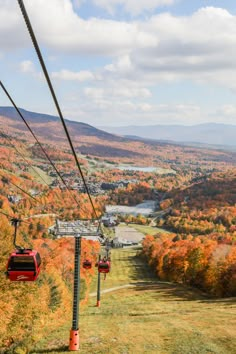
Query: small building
{"x": 14, "y": 199}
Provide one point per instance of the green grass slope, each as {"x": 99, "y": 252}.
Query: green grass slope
{"x": 147, "y": 316}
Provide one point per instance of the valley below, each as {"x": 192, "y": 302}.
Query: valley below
{"x": 167, "y": 220}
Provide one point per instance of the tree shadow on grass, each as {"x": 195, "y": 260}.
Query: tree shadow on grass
{"x": 180, "y": 292}
{"x": 61, "y": 349}
{"x": 145, "y": 279}
{"x": 141, "y": 270}
{"x": 225, "y": 300}
{"x": 171, "y": 290}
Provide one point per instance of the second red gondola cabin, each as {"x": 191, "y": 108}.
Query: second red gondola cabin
{"x": 87, "y": 264}
{"x": 104, "y": 266}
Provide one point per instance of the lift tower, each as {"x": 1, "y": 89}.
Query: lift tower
{"x": 86, "y": 229}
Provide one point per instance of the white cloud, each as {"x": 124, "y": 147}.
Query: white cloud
{"x": 117, "y": 92}
{"x": 10, "y": 23}
{"x": 134, "y": 7}
{"x": 99, "y": 106}
{"x": 27, "y": 66}
{"x": 164, "y": 47}
{"x": 104, "y": 110}
{"x": 61, "y": 29}
{"x": 123, "y": 64}
{"x": 145, "y": 107}
{"x": 66, "y": 32}
{"x": 138, "y": 54}
{"x": 228, "y": 109}
{"x": 200, "y": 48}
{"x": 225, "y": 114}
{"x": 192, "y": 47}
{"x": 68, "y": 75}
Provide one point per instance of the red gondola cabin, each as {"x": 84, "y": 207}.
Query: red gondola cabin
{"x": 23, "y": 265}
{"x": 104, "y": 266}
{"x": 87, "y": 264}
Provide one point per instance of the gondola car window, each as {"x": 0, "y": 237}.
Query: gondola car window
{"x": 22, "y": 263}
{"x": 104, "y": 266}
{"x": 38, "y": 259}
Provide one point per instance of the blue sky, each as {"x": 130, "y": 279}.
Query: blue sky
{"x": 124, "y": 62}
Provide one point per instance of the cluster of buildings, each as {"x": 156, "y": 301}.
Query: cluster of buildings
{"x": 95, "y": 188}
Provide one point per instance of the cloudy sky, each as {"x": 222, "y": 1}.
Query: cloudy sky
{"x": 123, "y": 62}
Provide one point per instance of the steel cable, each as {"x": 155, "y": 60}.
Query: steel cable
{"x": 37, "y": 140}
{"x": 37, "y": 49}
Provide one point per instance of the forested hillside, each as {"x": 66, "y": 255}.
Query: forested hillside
{"x": 201, "y": 249}
{"x": 31, "y": 309}
{"x": 194, "y": 194}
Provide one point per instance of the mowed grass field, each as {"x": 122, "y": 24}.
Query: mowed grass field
{"x": 40, "y": 172}
{"x": 148, "y": 230}
{"x": 148, "y": 316}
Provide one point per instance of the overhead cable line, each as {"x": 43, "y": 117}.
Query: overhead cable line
{"x": 13, "y": 217}
{"x": 37, "y": 140}
{"x": 22, "y": 156}
{"x": 37, "y": 49}
{"x": 9, "y": 140}
{"x": 22, "y": 190}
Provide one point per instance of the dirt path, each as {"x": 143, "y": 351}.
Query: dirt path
{"x": 112, "y": 289}
{"x": 131, "y": 285}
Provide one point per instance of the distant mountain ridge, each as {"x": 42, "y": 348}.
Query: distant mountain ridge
{"x": 49, "y": 126}
{"x": 77, "y": 128}
{"x": 49, "y": 130}
{"x": 207, "y": 133}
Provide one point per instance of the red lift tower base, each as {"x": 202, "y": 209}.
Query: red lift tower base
{"x": 74, "y": 340}
{"x": 98, "y": 303}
